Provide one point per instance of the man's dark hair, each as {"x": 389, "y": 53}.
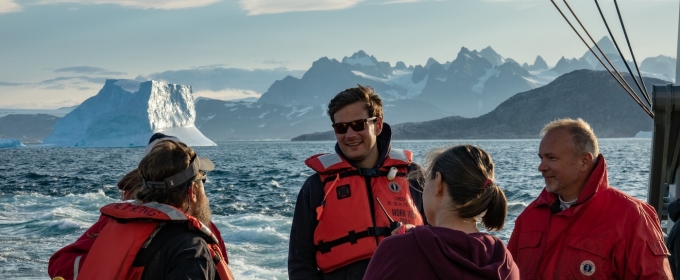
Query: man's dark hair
{"x": 166, "y": 159}
{"x": 349, "y": 96}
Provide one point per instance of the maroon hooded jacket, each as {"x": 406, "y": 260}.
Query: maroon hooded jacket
{"x": 440, "y": 253}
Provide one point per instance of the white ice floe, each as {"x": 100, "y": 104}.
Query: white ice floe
{"x": 120, "y": 116}
{"x": 10, "y": 143}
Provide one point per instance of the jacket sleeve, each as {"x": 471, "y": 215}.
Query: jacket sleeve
{"x": 301, "y": 252}
{"x": 646, "y": 255}
{"x": 416, "y": 180}
{"x": 67, "y": 261}
{"x": 512, "y": 243}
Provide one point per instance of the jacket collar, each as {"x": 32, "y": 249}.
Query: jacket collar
{"x": 596, "y": 182}
{"x": 383, "y": 141}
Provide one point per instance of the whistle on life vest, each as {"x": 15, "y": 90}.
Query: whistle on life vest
{"x": 392, "y": 174}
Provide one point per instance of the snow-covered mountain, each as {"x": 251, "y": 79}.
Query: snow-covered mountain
{"x": 539, "y": 64}
{"x": 475, "y": 82}
{"x": 226, "y": 120}
{"x": 589, "y": 61}
{"x": 470, "y": 85}
{"x": 126, "y": 113}
{"x": 661, "y": 67}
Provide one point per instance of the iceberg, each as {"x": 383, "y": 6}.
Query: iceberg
{"x": 125, "y": 113}
{"x": 10, "y": 143}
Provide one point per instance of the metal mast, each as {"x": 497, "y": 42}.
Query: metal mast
{"x": 664, "y": 173}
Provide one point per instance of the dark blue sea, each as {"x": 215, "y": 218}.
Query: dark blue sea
{"x": 49, "y": 196}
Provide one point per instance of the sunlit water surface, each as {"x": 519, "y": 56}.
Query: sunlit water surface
{"x": 49, "y": 196}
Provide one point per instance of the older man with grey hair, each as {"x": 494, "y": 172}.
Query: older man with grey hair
{"x": 579, "y": 226}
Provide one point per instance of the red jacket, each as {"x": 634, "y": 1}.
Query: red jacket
{"x": 67, "y": 262}
{"x": 605, "y": 235}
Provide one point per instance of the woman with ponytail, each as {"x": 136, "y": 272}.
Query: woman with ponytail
{"x": 459, "y": 193}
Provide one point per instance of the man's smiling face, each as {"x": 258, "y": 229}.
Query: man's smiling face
{"x": 358, "y": 146}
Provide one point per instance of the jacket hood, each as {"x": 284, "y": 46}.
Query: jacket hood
{"x": 383, "y": 142}
{"x": 452, "y": 251}
{"x": 674, "y": 210}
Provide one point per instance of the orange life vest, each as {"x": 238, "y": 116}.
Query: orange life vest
{"x": 134, "y": 225}
{"x": 351, "y": 221}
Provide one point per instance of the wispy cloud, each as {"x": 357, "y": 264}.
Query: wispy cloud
{"x": 138, "y": 4}
{"x": 49, "y": 93}
{"x": 218, "y": 78}
{"x": 227, "y": 94}
{"x": 41, "y": 105}
{"x": 9, "y": 6}
{"x": 262, "y": 7}
{"x": 10, "y": 84}
{"x": 88, "y": 70}
{"x": 388, "y": 2}
{"x": 282, "y": 63}
{"x": 73, "y": 80}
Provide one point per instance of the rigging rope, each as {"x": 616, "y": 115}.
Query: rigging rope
{"x": 629, "y": 88}
{"x": 631, "y": 51}
{"x": 634, "y": 96}
{"x": 643, "y": 91}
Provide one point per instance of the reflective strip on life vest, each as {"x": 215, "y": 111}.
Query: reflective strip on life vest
{"x": 76, "y": 267}
{"x": 398, "y": 154}
{"x": 329, "y": 160}
{"x": 172, "y": 212}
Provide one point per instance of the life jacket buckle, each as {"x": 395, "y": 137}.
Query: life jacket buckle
{"x": 323, "y": 247}
{"x": 352, "y": 237}
{"x": 370, "y": 172}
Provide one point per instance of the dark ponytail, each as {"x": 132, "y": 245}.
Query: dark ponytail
{"x": 468, "y": 172}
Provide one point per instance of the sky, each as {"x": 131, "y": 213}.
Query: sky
{"x": 57, "y": 53}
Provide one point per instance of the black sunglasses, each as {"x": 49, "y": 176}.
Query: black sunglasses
{"x": 203, "y": 177}
{"x": 358, "y": 125}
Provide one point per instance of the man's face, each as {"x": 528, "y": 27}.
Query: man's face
{"x": 559, "y": 164}
{"x": 358, "y": 146}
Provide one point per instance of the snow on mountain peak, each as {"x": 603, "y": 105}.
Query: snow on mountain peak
{"x": 492, "y": 56}
{"x": 120, "y": 117}
{"x": 360, "y": 58}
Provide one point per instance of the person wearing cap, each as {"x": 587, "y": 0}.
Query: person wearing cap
{"x": 579, "y": 227}
{"x": 67, "y": 261}
{"x": 356, "y": 197}
{"x": 163, "y": 234}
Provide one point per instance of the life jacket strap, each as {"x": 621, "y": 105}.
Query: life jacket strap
{"x": 352, "y": 237}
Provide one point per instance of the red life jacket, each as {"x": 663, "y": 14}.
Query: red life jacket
{"x": 117, "y": 245}
{"x": 351, "y": 222}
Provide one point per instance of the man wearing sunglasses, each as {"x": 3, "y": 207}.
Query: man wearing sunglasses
{"x": 357, "y": 197}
